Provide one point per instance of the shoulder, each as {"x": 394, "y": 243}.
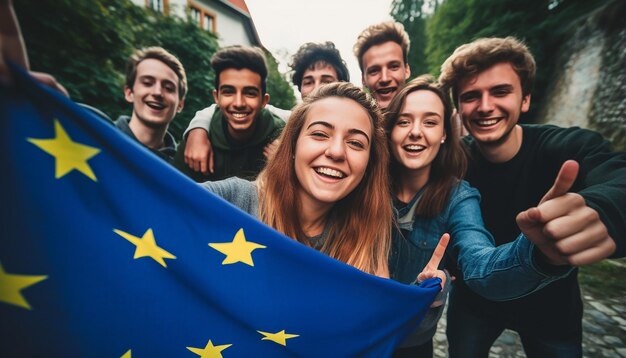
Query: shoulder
{"x": 562, "y": 138}
{"x": 283, "y": 114}
{"x": 462, "y": 190}
{"x": 229, "y": 187}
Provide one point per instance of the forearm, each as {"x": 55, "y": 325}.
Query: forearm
{"x": 202, "y": 119}
{"x": 508, "y": 271}
{"x": 12, "y": 42}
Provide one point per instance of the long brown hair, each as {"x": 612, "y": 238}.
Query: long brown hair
{"x": 450, "y": 163}
{"x": 360, "y": 230}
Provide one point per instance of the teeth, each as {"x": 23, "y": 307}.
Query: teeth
{"x": 330, "y": 172}
{"x": 414, "y": 147}
{"x": 155, "y": 105}
{"x": 239, "y": 115}
{"x": 488, "y": 122}
{"x": 385, "y": 90}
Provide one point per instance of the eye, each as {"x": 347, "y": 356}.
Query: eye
{"x": 394, "y": 66}
{"x": 402, "y": 122}
{"x": 307, "y": 83}
{"x": 327, "y": 81}
{"x": 319, "y": 134}
{"x": 356, "y": 144}
{"x": 469, "y": 97}
{"x": 373, "y": 71}
{"x": 431, "y": 122}
{"x": 169, "y": 87}
{"x": 251, "y": 93}
{"x": 501, "y": 92}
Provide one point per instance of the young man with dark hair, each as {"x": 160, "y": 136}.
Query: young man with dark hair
{"x": 313, "y": 65}
{"x": 576, "y": 219}
{"x": 382, "y": 51}
{"x": 156, "y": 85}
{"x": 240, "y": 127}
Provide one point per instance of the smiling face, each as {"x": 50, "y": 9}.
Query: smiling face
{"x": 384, "y": 71}
{"x": 240, "y": 99}
{"x": 322, "y": 73}
{"x": 155, "y": 94}
{"x": 332, "y": 151}
{"x": 418, "y": 132}
{"x": 491, "y": 103}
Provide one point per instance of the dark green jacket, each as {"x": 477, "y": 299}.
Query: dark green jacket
{"x": 244, "y": 160}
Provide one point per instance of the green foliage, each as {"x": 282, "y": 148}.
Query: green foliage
{"x": 279, "y": 88}
{"x": 540, "y": 24}
{"x": 409, "y": 13}
{"x": 85, "y": 45}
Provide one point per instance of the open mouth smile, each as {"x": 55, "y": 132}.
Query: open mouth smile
{"x": 330, "y": 173}
{"x": 414, "y": 148}
{"x": 487, "y": 122}
{"x": 239, "y": 115}
{"x": 155, "y": 105}
{"x": 385, "y": 91}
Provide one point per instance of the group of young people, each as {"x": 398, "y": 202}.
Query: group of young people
{"x": 375, "y": 177}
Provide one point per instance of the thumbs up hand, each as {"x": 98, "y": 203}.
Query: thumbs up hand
{"x": 563, "y": 227}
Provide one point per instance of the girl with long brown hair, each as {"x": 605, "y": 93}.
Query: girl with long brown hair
{"x": 427, "y": 165}
{"x": 327, "y": 185}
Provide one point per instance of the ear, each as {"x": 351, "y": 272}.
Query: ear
{"x": 525, "y": 103}
{"x": 407, "y": 73}
{"x": 363, "y": 81}
{"x": 215, "y": 96}
{"x": 128, "y": 94}
{"x": 266, "y": 99}
{"x": 180, "y": 106}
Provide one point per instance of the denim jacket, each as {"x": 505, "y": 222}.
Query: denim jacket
{"x": 500, "y": 273}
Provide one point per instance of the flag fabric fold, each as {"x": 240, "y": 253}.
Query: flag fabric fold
{"x": 107, "y": 251}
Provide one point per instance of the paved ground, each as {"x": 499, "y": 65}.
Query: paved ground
{"x": 604, "y": 331}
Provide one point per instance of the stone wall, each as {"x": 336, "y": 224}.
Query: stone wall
{"x": 589, "y": 88}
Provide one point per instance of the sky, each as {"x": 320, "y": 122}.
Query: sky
{"x": 284, "y": 25}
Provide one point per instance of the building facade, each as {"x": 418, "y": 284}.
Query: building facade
{"x": 229, "y": 20}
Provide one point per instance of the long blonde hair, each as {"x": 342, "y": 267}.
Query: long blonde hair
{"x": 360, "y": 231}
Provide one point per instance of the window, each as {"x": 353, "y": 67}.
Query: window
{"x": 161, "y": 6}
{"x": 200, "y": 15}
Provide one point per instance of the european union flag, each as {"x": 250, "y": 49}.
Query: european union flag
{"x": 108, "y": 251}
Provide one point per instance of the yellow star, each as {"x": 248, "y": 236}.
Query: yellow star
{"x": 239, "y": 250}
{"x": 128, "y": 354}
{"x": 210, "y": 351}
{"x": 146, "y": 246}
{"x": 11, "y": 285}
{"x": 278, "y": 337}
{"x": 68, "y": 155}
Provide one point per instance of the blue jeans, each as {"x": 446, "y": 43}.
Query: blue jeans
{"x": 471, "y": 335}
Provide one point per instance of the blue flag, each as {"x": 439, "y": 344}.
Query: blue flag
{"x": 107, "y": 251}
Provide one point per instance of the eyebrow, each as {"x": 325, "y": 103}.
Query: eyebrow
{"x": 425, "y": 114}
{"x": 247, "y": 88}
{"x": 330, "y": 126}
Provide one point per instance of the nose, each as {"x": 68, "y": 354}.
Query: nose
{"x": 416, "y": 130}
{"x": 485, "y": 105}
{"x": 239, "y": 100}
{"x": 384, "y": 75}
{"x": 336, "y": 150}
{"x": 157, "y": 90}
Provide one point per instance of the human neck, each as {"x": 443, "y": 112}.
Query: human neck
{"x": 410, "y": 182}
{"x": 313, "y": 217}
{"x": 149, "y": 136}
{"x": 505, "y": 150}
